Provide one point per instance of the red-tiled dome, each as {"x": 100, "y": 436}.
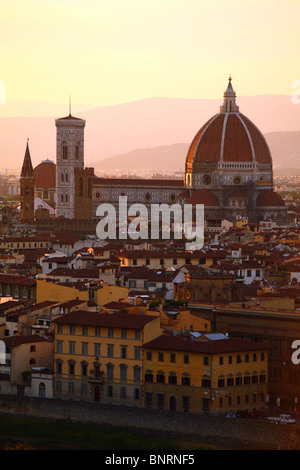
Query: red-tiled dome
{"x": 269, "y": 199}
{"x": 45, "y": 175}
{"x": 229, "y": 136}
{"x": 203, "y": 196}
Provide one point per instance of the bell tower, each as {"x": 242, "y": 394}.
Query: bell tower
{"x": 27, "y": 189}
{"x": 69, "y": 155}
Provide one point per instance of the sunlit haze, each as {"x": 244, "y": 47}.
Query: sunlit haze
{"x": 105, "y": 52}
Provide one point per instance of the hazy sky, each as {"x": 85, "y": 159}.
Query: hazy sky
{"x": 105, "y": 52}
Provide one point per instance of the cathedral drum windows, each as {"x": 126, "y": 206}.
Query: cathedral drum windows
{"x": 207, "y": 180}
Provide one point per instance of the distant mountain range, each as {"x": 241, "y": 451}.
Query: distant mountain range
{"x": 154, "y": 132}
{"x": 284, "y": 146}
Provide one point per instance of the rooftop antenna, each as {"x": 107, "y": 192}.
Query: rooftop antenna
{"x": 69, "y": 105}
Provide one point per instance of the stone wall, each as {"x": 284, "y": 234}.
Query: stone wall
{"x": 236, "y": 433}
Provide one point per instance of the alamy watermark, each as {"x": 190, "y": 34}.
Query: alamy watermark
{"x": 296, "y": 94}
{"x": 160, "y": 222}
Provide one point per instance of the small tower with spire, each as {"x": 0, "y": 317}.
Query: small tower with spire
{"x": 27, "y": 189}
{"x": 229, "y": 105}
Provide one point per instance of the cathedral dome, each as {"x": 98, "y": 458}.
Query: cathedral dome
{"x": 229, "y": 136}
{"x": 269, "y": 199}
{"x": 203, "y": 196}
{"x": 45, "y": 175}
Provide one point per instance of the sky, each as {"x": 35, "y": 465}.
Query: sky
{"x": 107, "y": 52}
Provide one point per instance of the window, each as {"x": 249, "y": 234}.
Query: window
{"x": 97, "y": 331}
{"x": 149, "y": 377}
{"x": 136, "y": 393}
{"x": 58, "y": 367}
{"x": 160, "y": 377}
{"x": 206, "y": 360}
{"x": 123, "y": 372}
{"x": 149, "y": 356}
{"x": 254, "y": 357}
{"x": 110, "y": 350}
{"x": 65, "y": 151}
{"x": 71, "y": 347}
{"x": 97, "y": 349}
{"x": 110, "y": 332}
{"x": 137, "y": 374}
{"x": 221, "y": 383}
{"x": 161, "y": 356}
{"x": 238, "y": 381}
{"x": 221, "y": 360}
{"x": 172, "y": 357}
{"x": 238, "y": 358}
{"x": 123, "y": 352}
{"x": 72, "y": 330}
{"x": 109, "y": 391}
{"x": 186, "y": 359}
{"x": 247, "y": 380}
{"x": 185, "y": 381}
{"x": 172, "y": 379}
{"x": 84, "y": 369}
{"x": 32, "y": 348}
{"x": 123, "y": 392}
{"x": 137, "y": 353}
{"x": 262, "y": 356}
{"x": 137, "y": 334}
{"x": 124, "y": 333}
{"x": 230, "y": 382}
{"x": 229, "y": 359}
{"x": 84, "y": 331}
{"x": 246, "y": 357}
{"x": 84, "y": 349}
{"x": 71, "y": 368}
{"x": 110, "y": 371}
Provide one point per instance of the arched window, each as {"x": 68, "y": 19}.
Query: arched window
{"x": 66, "y": 197}
{"x": 62, "y": 177}
{"x": 65, "y": 152}
{"x": 42, "y": 390}
{"x": 67, "y": 177}
{"x": 62, "y": 198}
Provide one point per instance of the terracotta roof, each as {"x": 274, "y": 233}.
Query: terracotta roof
{"x": 45, "y": 175}
{"x": 203, "y": 196}
{"x": 235, "y": 139}
{"x": 16, "y": 340}
{"x": 117, "y": 320}
{"x": 184, "y": 343}
{"x": 137, "y": 182}
{"x": 269, "y": 198}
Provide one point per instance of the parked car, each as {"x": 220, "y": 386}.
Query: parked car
{"x": 282, "y": 419}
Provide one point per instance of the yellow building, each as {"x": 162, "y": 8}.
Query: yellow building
{"x": 100, "y": 293}
{"x": 99, "y": 356}
{"x": 202, "y": 374}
